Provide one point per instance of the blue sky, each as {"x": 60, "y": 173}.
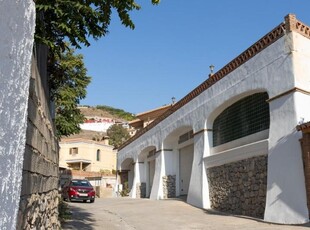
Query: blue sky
{"x": 170, "y": 51}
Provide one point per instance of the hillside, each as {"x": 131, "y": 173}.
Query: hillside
{"x": 107, "y": 112}
{"x": 101, "y": 111}
{"x": 92, "y": 111}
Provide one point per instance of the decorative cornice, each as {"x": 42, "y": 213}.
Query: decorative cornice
{"x": 293, "y": 90}
{"x": 303, "y": 127}
{"x": 290, "y": 24}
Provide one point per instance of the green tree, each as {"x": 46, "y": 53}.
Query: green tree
{"x": 68, "y": 82}
{"x": 61, "y": 24}
{"x": 118, "y": 135}
{"x": 77, "y": 20}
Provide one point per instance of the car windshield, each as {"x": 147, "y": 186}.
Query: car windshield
{"x": 80, "y": 183}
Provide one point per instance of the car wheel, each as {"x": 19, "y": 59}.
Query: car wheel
{"x": 92, "y": 201}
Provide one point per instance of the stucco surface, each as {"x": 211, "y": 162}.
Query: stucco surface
{"x": 17, "y": 23}
{"x": 277, "y": 70}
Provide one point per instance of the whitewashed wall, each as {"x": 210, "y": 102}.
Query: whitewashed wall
{"x": 17, "y": 23}
{"x": 98, "y": 127}
{"x": 277, "y": 69}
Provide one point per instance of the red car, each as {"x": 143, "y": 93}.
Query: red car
{"x": 80, "y": 190}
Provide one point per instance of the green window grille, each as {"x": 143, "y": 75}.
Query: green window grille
{"x": 245, "y": 117}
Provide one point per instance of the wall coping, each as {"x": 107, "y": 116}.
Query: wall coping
{"x": 290, "y": 24}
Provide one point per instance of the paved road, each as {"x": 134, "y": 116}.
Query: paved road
{"x": 145, "y": 214}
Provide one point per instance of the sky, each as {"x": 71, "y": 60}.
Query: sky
{"x": 173, "y": 44}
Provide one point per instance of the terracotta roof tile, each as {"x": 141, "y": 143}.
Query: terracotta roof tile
{"x": 290, "y": 24}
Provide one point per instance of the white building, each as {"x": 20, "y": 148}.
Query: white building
{"x": 98, "y": 124}
{"x": 231, "y": 144}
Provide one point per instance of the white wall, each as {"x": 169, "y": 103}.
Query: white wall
{"x": 286, "y": 183}
{"x": 272, "y": 71}
{"x": 98, "y": 127}
{"x": 17, "y": 23}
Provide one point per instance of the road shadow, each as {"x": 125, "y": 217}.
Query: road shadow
{"x": 219, "y": 213}
{"x": 80, "y": 219}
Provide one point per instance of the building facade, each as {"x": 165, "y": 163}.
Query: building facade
{"x": 231, "y": 144}
{"x": 144, "y": 119}
{"x": 87, "y": 155}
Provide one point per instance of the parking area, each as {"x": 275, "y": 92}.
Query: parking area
{"x": 142, "y": 214}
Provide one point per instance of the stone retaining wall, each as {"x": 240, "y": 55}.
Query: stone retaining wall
{"x": 39, "y": 198}
{"x": 239, "y": 187}
{"x": 169, "y": 189}
{"x": 141, "y": 190}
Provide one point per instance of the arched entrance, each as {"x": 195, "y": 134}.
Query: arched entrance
{"x": 179, "y": 153}
{"x": 147, "y": 172}
{"x": 126, "y": 175}
{"x": 186, "y": 155}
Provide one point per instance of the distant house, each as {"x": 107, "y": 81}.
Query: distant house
{"x": 87, "y": 155}
{"x": 98, "y": 124}
{"x": 146, "y": 118}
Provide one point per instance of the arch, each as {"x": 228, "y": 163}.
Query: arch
{"x": 147, "y": 161}
{"x": 178, "y": 147}
{"x": 225, "y": 104}
{"x": 172, "y": 139}
{"x": 247, "y": 116}
{"x": 126, "y": 174}
{"x": 145, "y": 153}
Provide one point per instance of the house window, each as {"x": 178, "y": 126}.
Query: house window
{"x": 245, "y": 117}
{"x": 98, "y": 154}
{"x": 74, "y": 150}
{"x": 185, "y": 137}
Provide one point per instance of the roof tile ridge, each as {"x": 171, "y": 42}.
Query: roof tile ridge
{"x": 246, "y": 55}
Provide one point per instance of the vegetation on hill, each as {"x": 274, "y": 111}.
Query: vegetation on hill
{"x": 117, "y": 112}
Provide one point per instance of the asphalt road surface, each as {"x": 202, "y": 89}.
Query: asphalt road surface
{"x": 145, "y": 214}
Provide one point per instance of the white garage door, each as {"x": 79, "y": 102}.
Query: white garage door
{"x": 186, "y": 161}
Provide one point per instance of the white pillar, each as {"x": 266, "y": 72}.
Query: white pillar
{"x": 157, "y": 188}
{"x": 136, "y": 179}
{"x": 198, "y": 193}
{"x": 286, "y": 194}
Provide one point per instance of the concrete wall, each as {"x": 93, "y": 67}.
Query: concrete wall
{"x": 17, "y": 23}
{"x": 279, "y": 69}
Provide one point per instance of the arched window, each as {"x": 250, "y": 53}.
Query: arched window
{"x": 98, "y": 154}
{"x": 245, "y": 117}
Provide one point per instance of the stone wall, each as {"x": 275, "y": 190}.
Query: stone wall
{"x": 141, "y": 190}
{"x": 239, "y": 187}
{"x": 39, "y": 198}
{"x": 169, "y": 186}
